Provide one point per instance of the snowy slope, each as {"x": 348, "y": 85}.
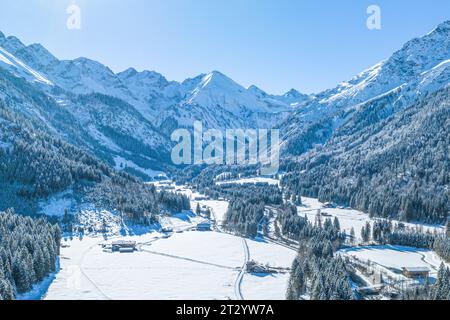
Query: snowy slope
{"x": 15, "y": 65}
{"x": 213, "y": 98}
{"x": 420, "y": 67}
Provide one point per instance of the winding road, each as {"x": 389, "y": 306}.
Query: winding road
{"x": 240, "y": 277}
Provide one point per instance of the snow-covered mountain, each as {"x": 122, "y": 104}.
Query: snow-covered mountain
{"x": 420, "y": 67}
{"x": 130, "y": 115}
{"x": 213, "y": 98}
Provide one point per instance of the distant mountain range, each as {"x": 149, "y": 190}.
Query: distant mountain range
{"x": 125, "y": 119}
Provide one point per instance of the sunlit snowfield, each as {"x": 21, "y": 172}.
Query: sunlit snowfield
{"x": 391, "y": 257}
{"x": 189, "y": 265}
{"x": 350, "y": 218}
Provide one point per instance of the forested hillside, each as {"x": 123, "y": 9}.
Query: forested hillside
{"x": 390, "y": 165}
{"x": 28, "y": 252}
{"x": 35, "y": 165}
{"x": 316, "y": 271}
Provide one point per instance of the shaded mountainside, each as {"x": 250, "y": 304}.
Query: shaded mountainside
{"x": 35, "y": 165}
{"x": 106, "y": 126}
{"x": 156, "y": 98}
{"x": 420, "y": 67}
{"x": 392, "y": 166}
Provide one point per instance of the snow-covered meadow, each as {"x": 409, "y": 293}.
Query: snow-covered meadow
{"x": 186, "y": 264}
{"x": 218, "y": 207}
{"x": 182, "y": 264}
{"x": 349, "y": 218}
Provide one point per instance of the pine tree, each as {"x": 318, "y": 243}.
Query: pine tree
{"x": 352, "y": 235}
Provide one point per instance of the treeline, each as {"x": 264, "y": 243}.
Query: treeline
{"x": 320, "y": 276}
{"x": 385, "y": 232}
{"x": 28, "y": 252}
{"x": 137, "y": 201}
{"x": 204, "y": 176}
{"x": 395, "y": 166}
{"x": 43, "y": 165}
{"x": 298, "y": 228}
{"x": 247, "y": 203}
{"x": 248, "y": 192}
{"x": 315, "y": 272}
{"x": 243, "y": 217}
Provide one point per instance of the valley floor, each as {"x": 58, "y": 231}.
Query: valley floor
{"x": 182, "y": 263}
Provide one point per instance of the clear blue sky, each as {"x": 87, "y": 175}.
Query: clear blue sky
{"x": 274, "y": 44}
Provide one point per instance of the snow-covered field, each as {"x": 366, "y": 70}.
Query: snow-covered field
{"x": 396, "y": 257}
{"x": 218, "y": 209}
{"x": 122, "y": 163}
{"x": 210, "y": 247}
{"x": 349, "y": 218}
{"x": 265, "y": 287}
{"x": 181, "y": 221}
{"x": 185, "y": 264}
{"x": 271, "y": 254}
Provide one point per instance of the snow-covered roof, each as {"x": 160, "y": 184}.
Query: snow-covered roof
{"x": 416, "y": 269}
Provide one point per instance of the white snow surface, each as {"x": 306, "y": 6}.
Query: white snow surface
{"x": 265, "y": 287}
{"x": 396, "y": 257}
{"x": 21, "y": 69}
{"x": 56, "y": 205}
{"x": 188, "y": 265}
{"x": 183, "y": 264}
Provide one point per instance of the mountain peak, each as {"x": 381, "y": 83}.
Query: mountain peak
{"x": 145, "y": 75}
{"x": 2, "y": 36}
{"x": 40, "y": 50}
{"x": 217, "y": 73}
{"x": 256, "y": 90}
{"x": 217, "y": 78}
{"x": 13, "y": 44}
{"x": 88, "y": 64}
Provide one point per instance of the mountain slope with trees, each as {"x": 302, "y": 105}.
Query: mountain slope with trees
{"x": 28, "y": 252}
{"x": 396, "y": 167}
{"x": 35, "y": 165}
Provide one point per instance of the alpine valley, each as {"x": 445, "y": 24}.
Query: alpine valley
{"x": 85, "y": 151}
